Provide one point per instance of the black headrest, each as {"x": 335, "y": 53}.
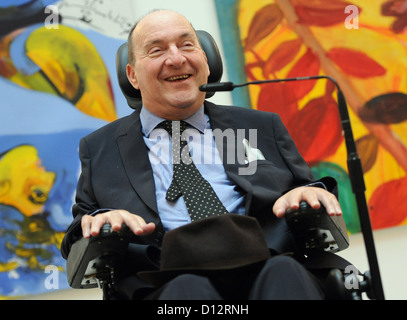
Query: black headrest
{"x": 133, "y": 96}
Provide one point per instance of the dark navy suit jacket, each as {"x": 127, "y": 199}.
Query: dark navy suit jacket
{"x": 116, "y": 172}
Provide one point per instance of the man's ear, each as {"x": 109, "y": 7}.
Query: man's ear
{"x": 206, "y": 60}
{"x": 131, "y": 75}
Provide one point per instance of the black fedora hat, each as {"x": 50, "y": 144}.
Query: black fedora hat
{"x": 208, "y": 246}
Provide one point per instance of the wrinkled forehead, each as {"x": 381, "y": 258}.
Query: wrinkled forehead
{"x": 161, "y": 26}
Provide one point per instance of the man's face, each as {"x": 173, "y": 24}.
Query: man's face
{"x": 170, "y": 65}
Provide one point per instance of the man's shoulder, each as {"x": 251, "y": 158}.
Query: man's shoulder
{"x": 239, "y": 112}
{"x": 112, "y": 129}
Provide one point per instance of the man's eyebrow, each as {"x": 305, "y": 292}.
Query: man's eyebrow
{"x": 159, "y": 41}
{"x": 153, "y": 42}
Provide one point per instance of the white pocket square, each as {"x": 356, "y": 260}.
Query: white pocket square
{"x": 252, "y": 154}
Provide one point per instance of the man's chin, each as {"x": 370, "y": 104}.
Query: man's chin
{"x": 183, "y": 110}
{"x": 183, "y": 101}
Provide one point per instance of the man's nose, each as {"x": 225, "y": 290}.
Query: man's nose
{"x": 175, "y": 57}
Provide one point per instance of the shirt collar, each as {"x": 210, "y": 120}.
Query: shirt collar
{"x": 199, "y": 120}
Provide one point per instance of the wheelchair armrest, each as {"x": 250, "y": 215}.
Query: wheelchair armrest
{"x": 93, "y": 260}
{"x": 315, "y": 231}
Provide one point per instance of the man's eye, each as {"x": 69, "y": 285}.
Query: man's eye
{"x": 188, "y": 45}
{"x": 155, "y": 51}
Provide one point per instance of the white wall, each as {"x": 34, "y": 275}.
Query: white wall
{"x": 390, "y": 246}
{"x": 390, "y": 243}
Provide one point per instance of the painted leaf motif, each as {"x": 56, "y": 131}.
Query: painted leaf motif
{"x": 400, "y": 24}
{"x": 356, "y": 63}
{"x": 264, "y": 22}
{"x": 389, "y": 108}
{"x": 307, "y": 65}
{"x": 281, "y": 56}
{"x": 316, "y": 129}
{"x": 321, "y": 13}
{"x": 276, "y": 97}
{"x": 367, "y": 147}
{"x": 330, "y": 87}
{"x": 332, "y": 4}
{"x": 387, "y": 202}
{"x": 398, "y": 9}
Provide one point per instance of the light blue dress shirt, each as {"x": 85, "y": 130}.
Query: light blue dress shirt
{"x": 206, "y": 157}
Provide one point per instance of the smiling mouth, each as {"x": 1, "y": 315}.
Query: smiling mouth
{"x": 178, "y": 78}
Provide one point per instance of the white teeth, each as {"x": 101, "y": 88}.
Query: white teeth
{"x": 185, "y": 76}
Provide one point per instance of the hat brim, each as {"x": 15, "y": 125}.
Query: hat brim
{"x": 160, "y": 277}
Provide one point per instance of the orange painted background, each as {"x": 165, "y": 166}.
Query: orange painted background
{"x": 363, "y": 46}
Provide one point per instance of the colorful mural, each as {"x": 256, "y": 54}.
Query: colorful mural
{"x": 57, "y": 83}
{"x": 362, "y": 44}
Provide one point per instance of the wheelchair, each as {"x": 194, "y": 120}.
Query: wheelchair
{"x": 101, "y": 261}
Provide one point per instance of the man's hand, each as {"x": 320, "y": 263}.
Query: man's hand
{"x": 91, "y": 225}
{"x": 312, "y": 195}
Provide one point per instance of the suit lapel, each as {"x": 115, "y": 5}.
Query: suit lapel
{"x": 136, "y": 162}
{"x": 222, "y": 120}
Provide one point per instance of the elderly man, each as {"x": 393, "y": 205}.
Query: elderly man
{"x": 125, "y": 179}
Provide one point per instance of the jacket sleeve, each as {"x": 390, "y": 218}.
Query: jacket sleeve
{"x": 85, "y": 202}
